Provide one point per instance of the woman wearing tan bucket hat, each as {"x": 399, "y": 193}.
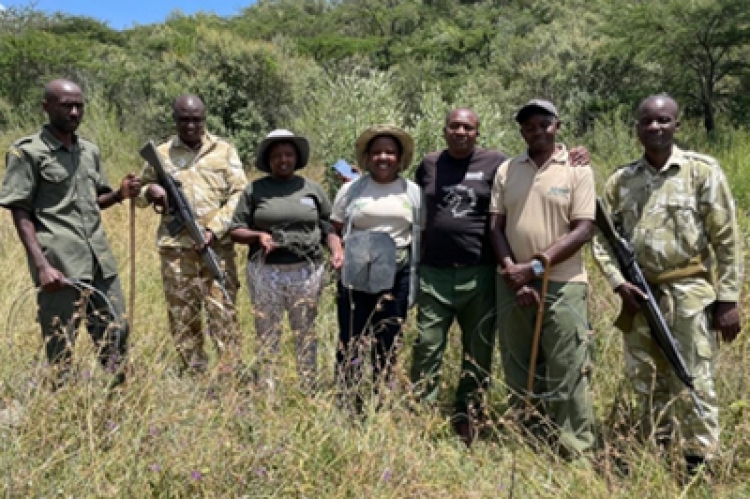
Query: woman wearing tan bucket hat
{"x": 284, "y": 217}
{"x": 378, "y": 217}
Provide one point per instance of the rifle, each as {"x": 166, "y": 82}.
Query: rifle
{"x": 657, "y": 324}
{"x": 183, "y": 216}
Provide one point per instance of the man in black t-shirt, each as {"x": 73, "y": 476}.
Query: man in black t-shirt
{"x": 457, "y": 269}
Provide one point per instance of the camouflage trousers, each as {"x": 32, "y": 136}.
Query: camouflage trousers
{"x": 191, "y": 292}
{"x": 667, "y": 412}
{"x": 294, "y": 288}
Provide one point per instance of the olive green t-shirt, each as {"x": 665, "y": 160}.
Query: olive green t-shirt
{"x": 295, "y": 212}
{"x": 59, "y": 187}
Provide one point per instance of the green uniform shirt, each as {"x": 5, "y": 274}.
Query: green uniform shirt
{"x": 59, "y": 187}
{"x": 672, "y": 215}
{"x": 295, "y": 212}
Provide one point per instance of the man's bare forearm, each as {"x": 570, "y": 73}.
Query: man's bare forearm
{"x": 27, "y": 234}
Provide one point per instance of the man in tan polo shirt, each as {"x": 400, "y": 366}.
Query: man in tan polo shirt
{"x": 541, "y": 209}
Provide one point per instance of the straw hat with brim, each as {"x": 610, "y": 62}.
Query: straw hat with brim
{"x": 281, "y": 135}
{"x": 407, "y": 143}
{"x": 536, "y": 106}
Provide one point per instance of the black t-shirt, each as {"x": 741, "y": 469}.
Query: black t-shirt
{"x": 457, "y": 201}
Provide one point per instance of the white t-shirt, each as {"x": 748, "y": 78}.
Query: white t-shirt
{"x": 380, "y": 208}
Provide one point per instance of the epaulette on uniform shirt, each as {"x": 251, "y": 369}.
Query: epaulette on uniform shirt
{"x": 702, "y": 158}
{"x": 628, "y": 166}
{"x": 22, "y": 141}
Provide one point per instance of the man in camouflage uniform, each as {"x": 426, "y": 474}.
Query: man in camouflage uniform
{"x": 212, "y": 178}
{"x": 676, "y": 209}
{"x": 55, "y": 187}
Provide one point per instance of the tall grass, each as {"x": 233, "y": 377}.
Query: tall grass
{"x": 171, "y": 436}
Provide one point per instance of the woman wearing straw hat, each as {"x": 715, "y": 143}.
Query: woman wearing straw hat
{"x": 378, "y": 216}
{"x": 283, "y": 217}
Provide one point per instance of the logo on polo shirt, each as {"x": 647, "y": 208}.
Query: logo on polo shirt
{"x": 474, "y": 175}
{"x": 559, "y": 191}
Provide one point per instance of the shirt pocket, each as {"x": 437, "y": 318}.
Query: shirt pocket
{"x": 53, "y": 187}
{"x": 629, "y": 216}
{"x": 53, "y": 172}
{"x": 684, "y": 225}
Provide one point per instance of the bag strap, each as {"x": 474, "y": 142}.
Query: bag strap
{"x": 355, "y": 190}
{"x": 414, "y": 194}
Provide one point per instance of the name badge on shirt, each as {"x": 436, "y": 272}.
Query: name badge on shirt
{"x": 307, "y": 202}
{"x": 474, "y": 175}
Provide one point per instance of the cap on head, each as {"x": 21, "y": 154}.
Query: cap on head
{"x": 363, "y": 141}
{"x": 282, "y": 135}
{"x": 536, "y": 106}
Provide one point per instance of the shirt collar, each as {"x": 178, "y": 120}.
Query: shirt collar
{"x": 677, "y": 158}
{"x": 54, "y": 143}
{"x": 207, "y": 141}
{"x": 560, "y": 156}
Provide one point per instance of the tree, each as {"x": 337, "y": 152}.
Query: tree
{"x": 693, "y": 49}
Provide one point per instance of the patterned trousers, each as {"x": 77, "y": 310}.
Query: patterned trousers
{"x": 666, "y": 411}
{"x": 292, "y": 288}
{"x": 191, "y": 292}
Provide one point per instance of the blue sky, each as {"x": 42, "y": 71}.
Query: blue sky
{"x": 120, "y": 14}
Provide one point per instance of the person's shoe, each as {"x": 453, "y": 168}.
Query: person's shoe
{"x": 465, "y": 431}
{"x": 695, "y": 465}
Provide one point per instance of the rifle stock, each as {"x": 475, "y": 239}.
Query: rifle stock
{"x": 184, "y": 218}
{"x": 658, "y": 326}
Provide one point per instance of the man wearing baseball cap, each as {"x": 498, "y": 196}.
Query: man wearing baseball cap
{"x": 542, "y": 214}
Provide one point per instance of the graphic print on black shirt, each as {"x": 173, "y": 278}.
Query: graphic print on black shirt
{"x": 457, "y": 199}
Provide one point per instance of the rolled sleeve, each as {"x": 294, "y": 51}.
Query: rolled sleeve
{"x": 19, "y": 182}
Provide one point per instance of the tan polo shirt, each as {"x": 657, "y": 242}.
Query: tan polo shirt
{"x": 212, "y": 180}
{"x": 540, "y": 203}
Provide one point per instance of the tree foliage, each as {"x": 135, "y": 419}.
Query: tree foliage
{"x": 696, "y": 49}
{"x": 331, "y": 67}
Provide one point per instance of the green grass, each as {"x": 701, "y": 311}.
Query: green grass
{"x": 166, "y": 436}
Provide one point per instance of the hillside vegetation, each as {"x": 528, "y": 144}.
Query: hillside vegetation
{"x": 327, "y": 69}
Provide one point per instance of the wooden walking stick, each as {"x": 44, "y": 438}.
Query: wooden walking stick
{"x": 537, "y": 326}
{"x": 131, "y": 304}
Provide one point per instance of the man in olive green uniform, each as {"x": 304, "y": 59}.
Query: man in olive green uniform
{"x": 676, "y": 209}
{"x": 55, "y": 187}
{"x": 212, "y": 180}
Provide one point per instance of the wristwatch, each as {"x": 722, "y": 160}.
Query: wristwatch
{"x": 537, "y": 267}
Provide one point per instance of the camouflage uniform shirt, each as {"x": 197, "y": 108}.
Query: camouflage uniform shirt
{"x": 673, "y": 215}
{"x": 212, "y": 180}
